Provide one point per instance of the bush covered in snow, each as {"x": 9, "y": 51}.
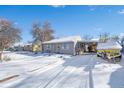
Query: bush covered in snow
{"x": 6, "y": 58}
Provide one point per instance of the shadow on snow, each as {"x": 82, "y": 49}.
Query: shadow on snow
{"x": 116, "y": 79}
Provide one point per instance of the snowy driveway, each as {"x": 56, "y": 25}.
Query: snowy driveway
{"x": 61, "y": 72}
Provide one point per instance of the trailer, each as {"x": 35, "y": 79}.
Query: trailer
{"x": 110, "y": 51}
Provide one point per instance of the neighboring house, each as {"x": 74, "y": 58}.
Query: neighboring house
{"x": 36, "y": 46}
{"x": 27, "y": 47}
{"x": 21, "y": 46}
{"x": 18, "y": 46}
{"x": 69, "y": 45}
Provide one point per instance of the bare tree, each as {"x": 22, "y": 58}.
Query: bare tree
{"x": 104, "y": 37}
{"x": 48, "y": 32}
{"x": 44, "y": 33}
{"x": 114, "y": 37}
{"x": 37, "y": 31}
{"x": 9, "y": 34}
{"x": 87, "y": 37}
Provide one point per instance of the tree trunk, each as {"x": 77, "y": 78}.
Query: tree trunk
{"x": 1, "y": 55}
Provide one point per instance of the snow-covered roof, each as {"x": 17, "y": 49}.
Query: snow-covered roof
{"x": 65, "y": 39}
{"x": 95, "y": 39}
{"x": 21, "y": 44}
{"x": 109, "y": 45}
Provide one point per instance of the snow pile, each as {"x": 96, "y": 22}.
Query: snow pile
{"x": 29, "y": 55}
{"x": 108, "y": 75}
{"x": 17, "y": 55}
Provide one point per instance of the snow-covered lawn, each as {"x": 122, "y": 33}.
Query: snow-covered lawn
{"x": 57, "y": 70}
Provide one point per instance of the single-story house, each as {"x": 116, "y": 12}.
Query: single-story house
{"x": 61, "y": 45}
{"x": 21, "y": 46}
{"x": 69, "y": 45}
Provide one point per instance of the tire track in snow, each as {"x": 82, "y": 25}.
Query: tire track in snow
{"x": 31, "y": 71}
{"x": 51, "y": 76}
{"x": 52, "y": 79}
{"x": 90, "y": 65}
{"x": 35, "y": 80}
{"x": 8, "y": 78}
{"x": 61, "y": 77}
{"x": 39, "y": 70}
{"x": 73, "y": 79}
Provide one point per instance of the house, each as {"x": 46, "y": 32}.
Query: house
{"x": 18, "y": 46}
{"x": 73, "y": 45}
{"x": 36, "y": 46}
{"x": 64, "y": 45}
{"x": 27, "y": 47}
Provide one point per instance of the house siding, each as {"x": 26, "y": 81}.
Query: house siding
{"x": 63, "y": 48}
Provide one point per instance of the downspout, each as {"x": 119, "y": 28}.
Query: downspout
{"x": 74, "y": 53}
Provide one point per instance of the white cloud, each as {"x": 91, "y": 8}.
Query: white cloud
{"x": 57, "y": 6}
{"x": 121, "y": 12}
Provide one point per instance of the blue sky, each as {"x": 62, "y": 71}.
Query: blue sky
{"x": 67, "y": 20}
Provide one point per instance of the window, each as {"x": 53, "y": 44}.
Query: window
{"x": 46, "y": 46}
{"x": 64, "y": 46}
{"x": 49, "y": 46}
{"x": 59, "y": 46}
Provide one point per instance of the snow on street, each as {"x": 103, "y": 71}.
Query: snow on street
{"x": 60, "y": 71}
